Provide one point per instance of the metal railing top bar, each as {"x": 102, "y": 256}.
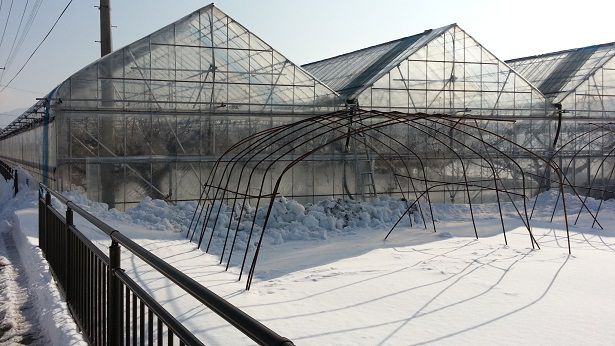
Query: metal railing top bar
{"x": 236, "y": 317}
{"x": 82, "y": 212}
{"x": 239, "y": 319}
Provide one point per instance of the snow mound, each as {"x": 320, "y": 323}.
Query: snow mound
{"x": 289, "y": 219}
{"x": 152, "y": 214}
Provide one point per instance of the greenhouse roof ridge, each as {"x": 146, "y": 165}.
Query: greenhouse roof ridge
{"x": 199, "y": 10}
{"x": 373, "y": 46}
{"x": 542, "y": 55}
{"x": 558, "y": 74}
{"x": 351, "y": 73}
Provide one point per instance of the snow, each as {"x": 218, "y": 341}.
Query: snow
{"x": 29, "y": 285}
{"x": 326, "y": 276}
{"x": 15, "y": 323}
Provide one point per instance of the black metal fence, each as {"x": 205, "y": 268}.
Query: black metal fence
{"x": 9, "y": 173}
{"x": 108, "y": 306}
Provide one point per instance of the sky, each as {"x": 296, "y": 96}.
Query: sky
{"x": 303, "y": 31}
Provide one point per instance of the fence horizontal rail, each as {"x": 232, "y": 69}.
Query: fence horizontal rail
{"x": 163, "y": 315}
{"x": 110, "y": 307}
{"x": 9, "y": 173}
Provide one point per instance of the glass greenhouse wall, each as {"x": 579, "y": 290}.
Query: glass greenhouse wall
{"x": 27, "y": 139}
{"x": 445, "y": 72}
{"x": 439, "y": 71}
{"x": 581, "y": 82}
{"x": 152, "y": 118}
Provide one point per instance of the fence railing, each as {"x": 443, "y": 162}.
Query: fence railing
{"x": 9, "y": 173}
{"x": 108, "y": 306}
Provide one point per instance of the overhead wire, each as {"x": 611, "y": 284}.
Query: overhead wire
{"x": 37, "y": 47}
{"x": 26, "y": 30}
{"x": 8, "y": 17}
{"x": 23, "y": 14}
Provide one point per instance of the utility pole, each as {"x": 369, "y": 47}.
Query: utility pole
{"x": 106, "y": 169}
{"x": 105, "y": 27}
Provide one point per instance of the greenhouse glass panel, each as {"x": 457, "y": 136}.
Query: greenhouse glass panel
{"x": 151, "y": 114}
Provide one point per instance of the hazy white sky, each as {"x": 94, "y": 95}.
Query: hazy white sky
{"x": 303, "y": 31}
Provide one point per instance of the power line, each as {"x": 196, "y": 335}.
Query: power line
{"x": 27, "y": 27}
{"x": 23, "y": 14}
{"x": 26, "y": 30}
{"x": 7, "y": 22}
{"x": 37, "y": 47}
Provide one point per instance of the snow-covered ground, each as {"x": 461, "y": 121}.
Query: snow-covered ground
{"x": 344, "y": 285}
{"x": 18, "y": 323}
{"x": 31, "y": 308}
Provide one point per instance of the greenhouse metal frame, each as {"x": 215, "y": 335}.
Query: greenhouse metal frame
{"x": 581, "y": 84}
{"x": 149, "y": 119}
{"x": 153, "y": 118}
{"x": 204, "y": 110}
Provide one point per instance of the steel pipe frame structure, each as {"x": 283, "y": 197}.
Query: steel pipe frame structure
{"x": 603, "y": 130}
{"x": 349, "y": 125}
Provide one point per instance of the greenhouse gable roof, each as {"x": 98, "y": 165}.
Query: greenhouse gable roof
{"x": 351, "y": 73}
{"x": 214, "y": 63}
{"x": 557, "y": 74}
{"x": 205, "y": 62}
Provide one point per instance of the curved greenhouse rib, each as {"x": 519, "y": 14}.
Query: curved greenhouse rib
{"x": 265, "y": 158}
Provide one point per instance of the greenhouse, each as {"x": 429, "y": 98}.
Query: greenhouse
{"x": 147, "y": 119}
{"x": 160, "y": 118}
{"x": 581, "y": 84}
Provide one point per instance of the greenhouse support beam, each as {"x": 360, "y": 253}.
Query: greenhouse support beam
{"x": 46, "y": 143}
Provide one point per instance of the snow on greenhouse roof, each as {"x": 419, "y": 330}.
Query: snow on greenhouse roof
{"x": 557, "y": 74}
{"x": 353, "y": 72}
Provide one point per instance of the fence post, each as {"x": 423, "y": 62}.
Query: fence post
{"x": 42, "y": 237}
{"x": 113, "y": 296}
{"x": 41, "y": 217}
{"x": 15, "y": 183}
{"x": 68, "y": 252}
